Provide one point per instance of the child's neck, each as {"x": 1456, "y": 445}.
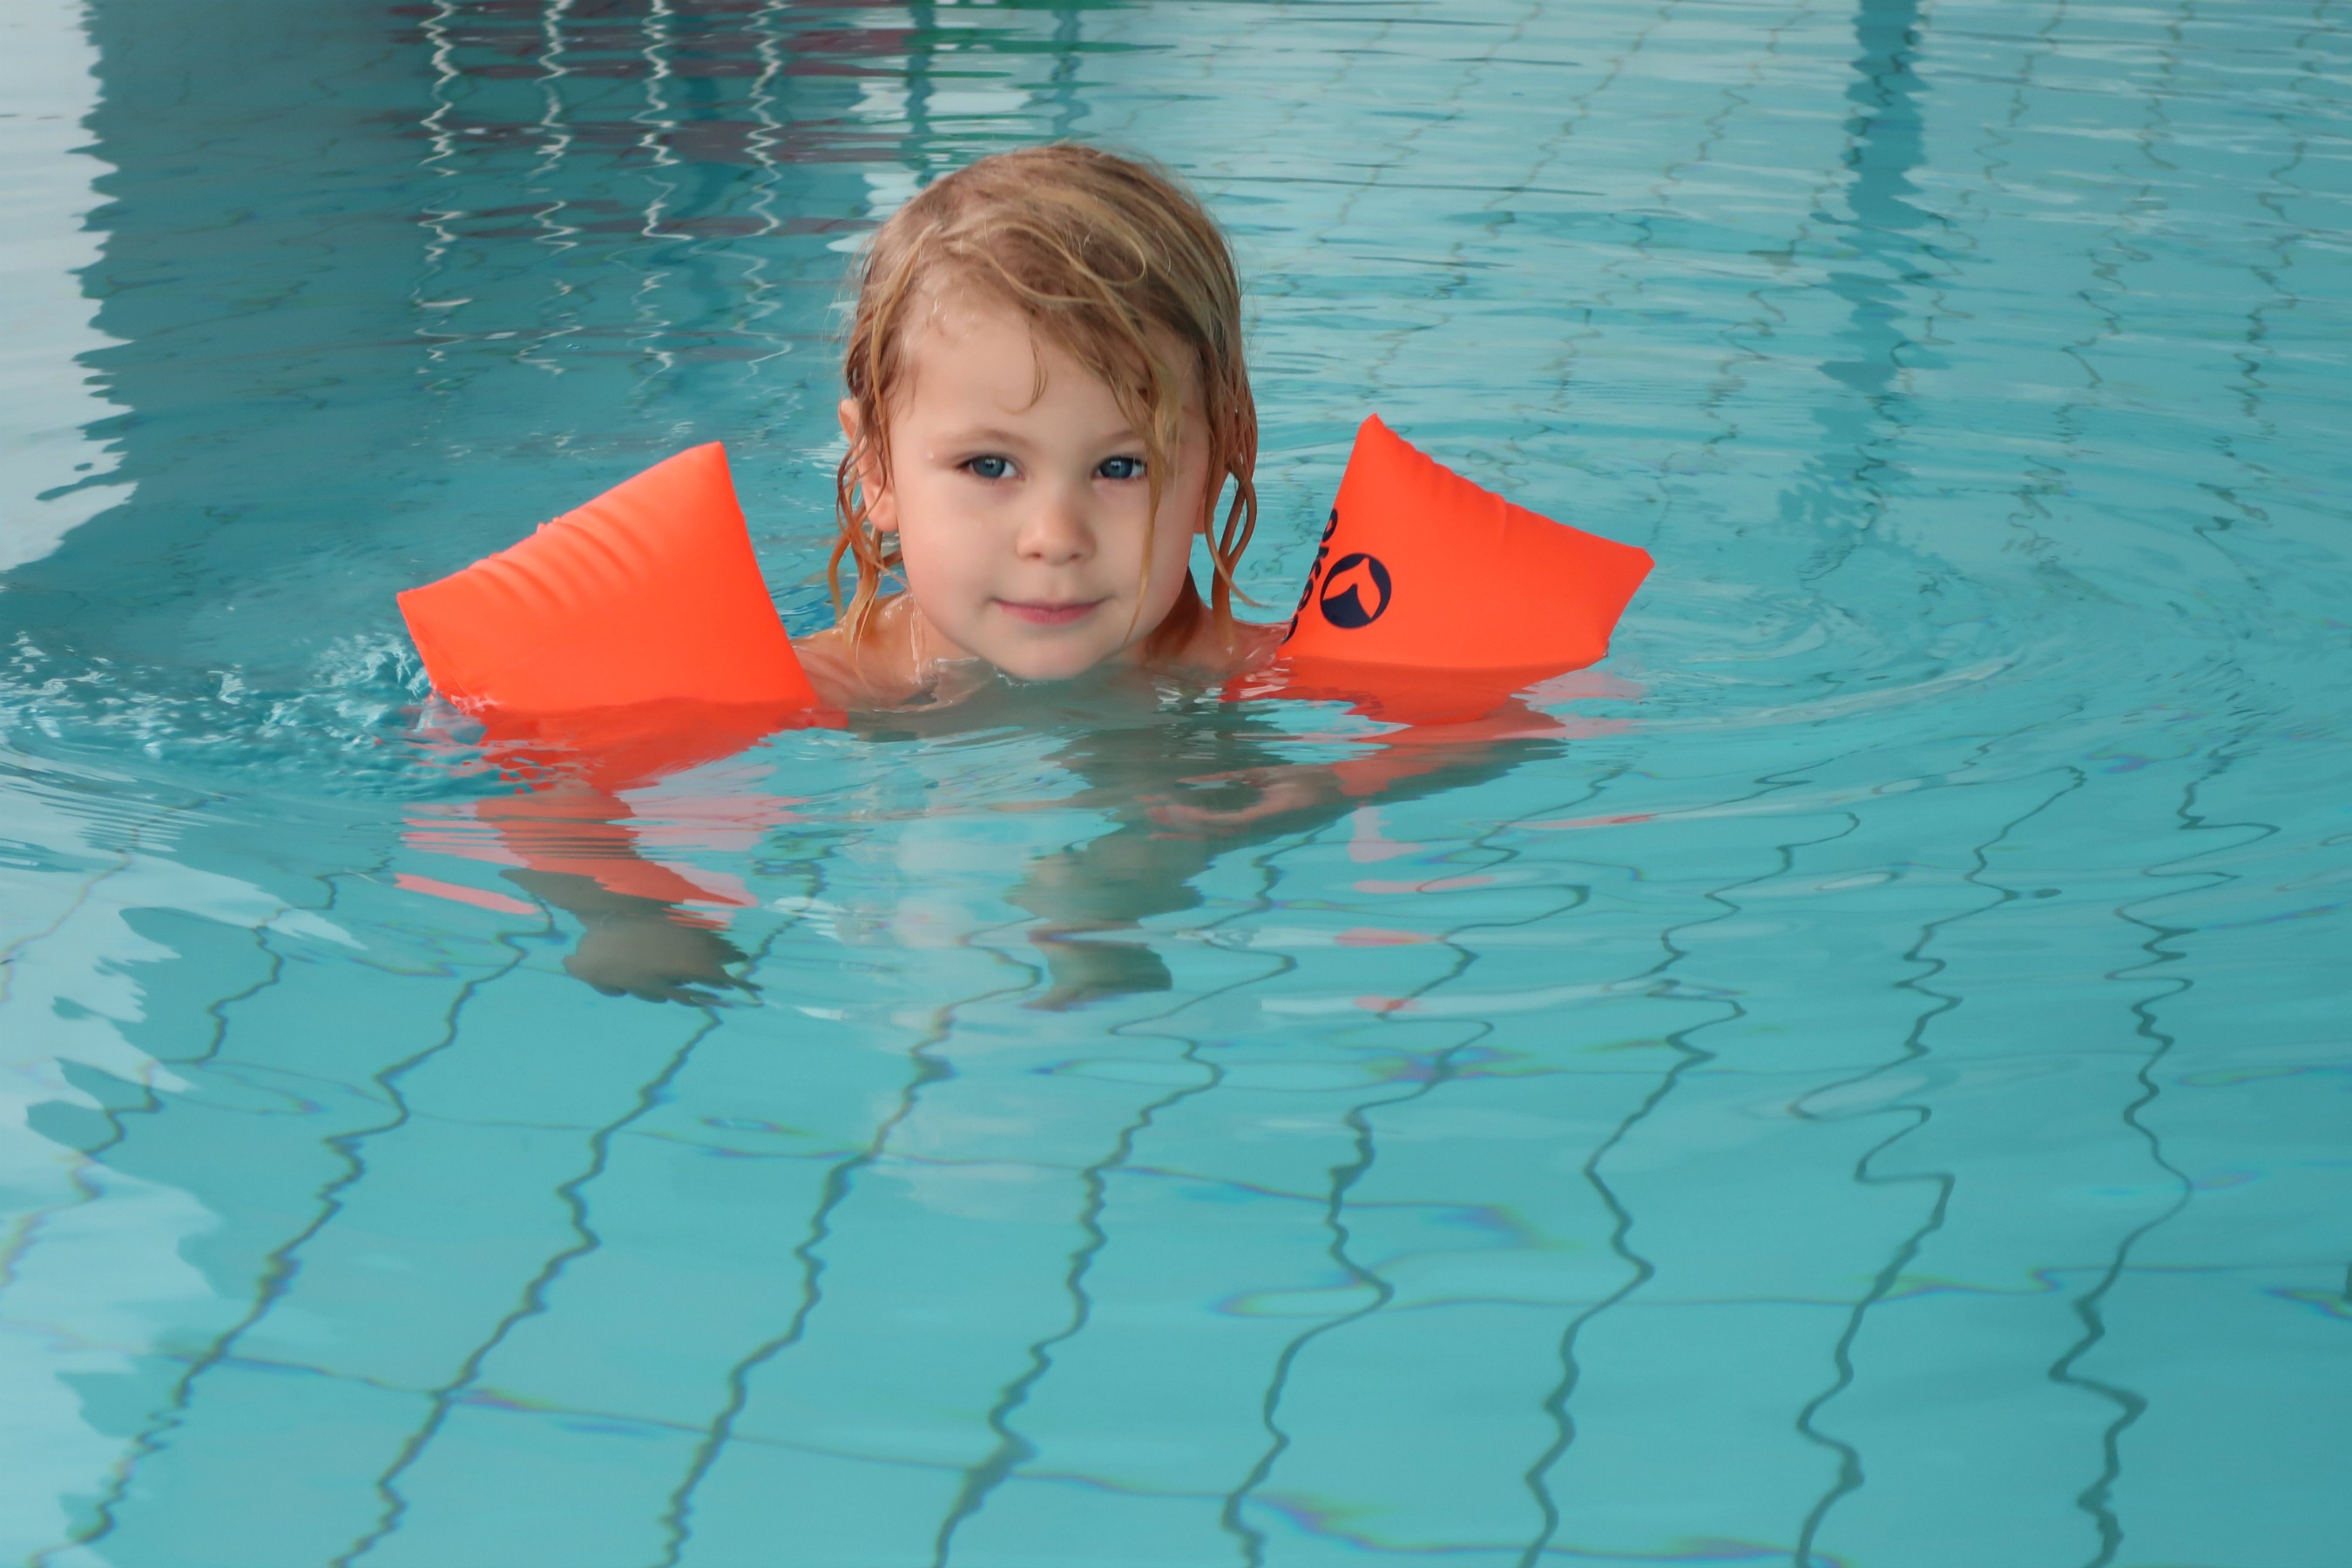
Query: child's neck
{"x": 901, "y": 657}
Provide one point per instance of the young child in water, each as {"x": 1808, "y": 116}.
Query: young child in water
{"x": 1046, "y": 407}
{"x": 1047, "y": 404}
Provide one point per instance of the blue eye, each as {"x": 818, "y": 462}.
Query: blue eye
{"x": 989, "y": 468}
{"x": 1121, "y": 469}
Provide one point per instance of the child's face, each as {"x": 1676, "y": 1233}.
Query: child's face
{"x": 1022, "y": 510}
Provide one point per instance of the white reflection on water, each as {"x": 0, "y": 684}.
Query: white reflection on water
{"x": 46, "y": 188}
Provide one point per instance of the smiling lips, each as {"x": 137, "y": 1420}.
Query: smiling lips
{"x": 1048, "y": 614}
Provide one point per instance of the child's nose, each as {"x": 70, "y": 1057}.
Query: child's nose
{"x": 1056, "y": 532}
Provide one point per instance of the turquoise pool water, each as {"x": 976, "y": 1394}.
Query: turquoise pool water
{"x": 1870, "y": 1088}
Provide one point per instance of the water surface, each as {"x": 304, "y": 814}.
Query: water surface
{"x": 1858, "y": 1078}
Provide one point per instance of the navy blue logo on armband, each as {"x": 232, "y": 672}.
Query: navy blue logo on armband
{"x": 1355, "y": 591}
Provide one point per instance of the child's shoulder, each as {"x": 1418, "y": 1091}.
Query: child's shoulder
{"x": 1219, "y": 654}
{"x": 871, "y": 668}
{"x": 827, "y": 663}
{"x": 886, "y": 663}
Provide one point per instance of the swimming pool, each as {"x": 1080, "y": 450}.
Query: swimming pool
{"x": 1870, "y": 1088}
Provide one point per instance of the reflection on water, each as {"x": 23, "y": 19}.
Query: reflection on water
{"x": 57, "y": 478}
{"x": 1171, "y": 779}
{"x": 1854, "y": 1079}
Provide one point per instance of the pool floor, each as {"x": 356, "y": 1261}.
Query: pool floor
{"x": 1859, "y": 1078}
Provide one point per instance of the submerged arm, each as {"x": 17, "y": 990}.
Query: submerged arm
{"x": 638, "y": 938}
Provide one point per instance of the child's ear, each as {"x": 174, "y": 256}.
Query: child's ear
{"x": 881, "y": 506}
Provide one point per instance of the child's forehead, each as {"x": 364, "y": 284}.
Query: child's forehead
{"x": 962, "y": 323}
{"x": 968, "y": 339}
{"x": 956, "y": 307}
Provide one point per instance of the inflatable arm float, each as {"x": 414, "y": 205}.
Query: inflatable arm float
{"x": 630, "y": 638}
{"x": 1432, "y": 600}
{"x": 643, "y": 616}
{"x": 648, "y": 594}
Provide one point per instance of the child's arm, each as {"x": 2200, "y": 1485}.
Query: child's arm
{"x": 646, "y": 930}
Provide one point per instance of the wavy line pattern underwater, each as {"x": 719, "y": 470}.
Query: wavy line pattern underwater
{"x": 1871, "y": 1097}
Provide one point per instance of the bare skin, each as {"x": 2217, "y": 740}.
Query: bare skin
{"x": 1021, "y": 503}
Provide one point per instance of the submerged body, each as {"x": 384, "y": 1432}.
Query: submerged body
{"x": 1177, "y": 778}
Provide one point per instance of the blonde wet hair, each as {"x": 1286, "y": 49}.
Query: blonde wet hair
{"x": 1112, "y": 260}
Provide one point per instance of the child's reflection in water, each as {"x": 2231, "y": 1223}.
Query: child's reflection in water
{"x": 1225, "y": 787}
{"x": 653, "y": 925}
{"x": 633, "y": 945}
{"x": 1205, "y": 780}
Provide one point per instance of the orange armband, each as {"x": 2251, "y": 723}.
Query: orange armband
{"x": 649, "y": 593}
{"x": 1433, "y": 601}
{"x": 627, "y": 639}
{"x": 1421, "y": 569}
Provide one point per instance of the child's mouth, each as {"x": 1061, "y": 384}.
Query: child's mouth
{"x": 1045, "y": 614}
